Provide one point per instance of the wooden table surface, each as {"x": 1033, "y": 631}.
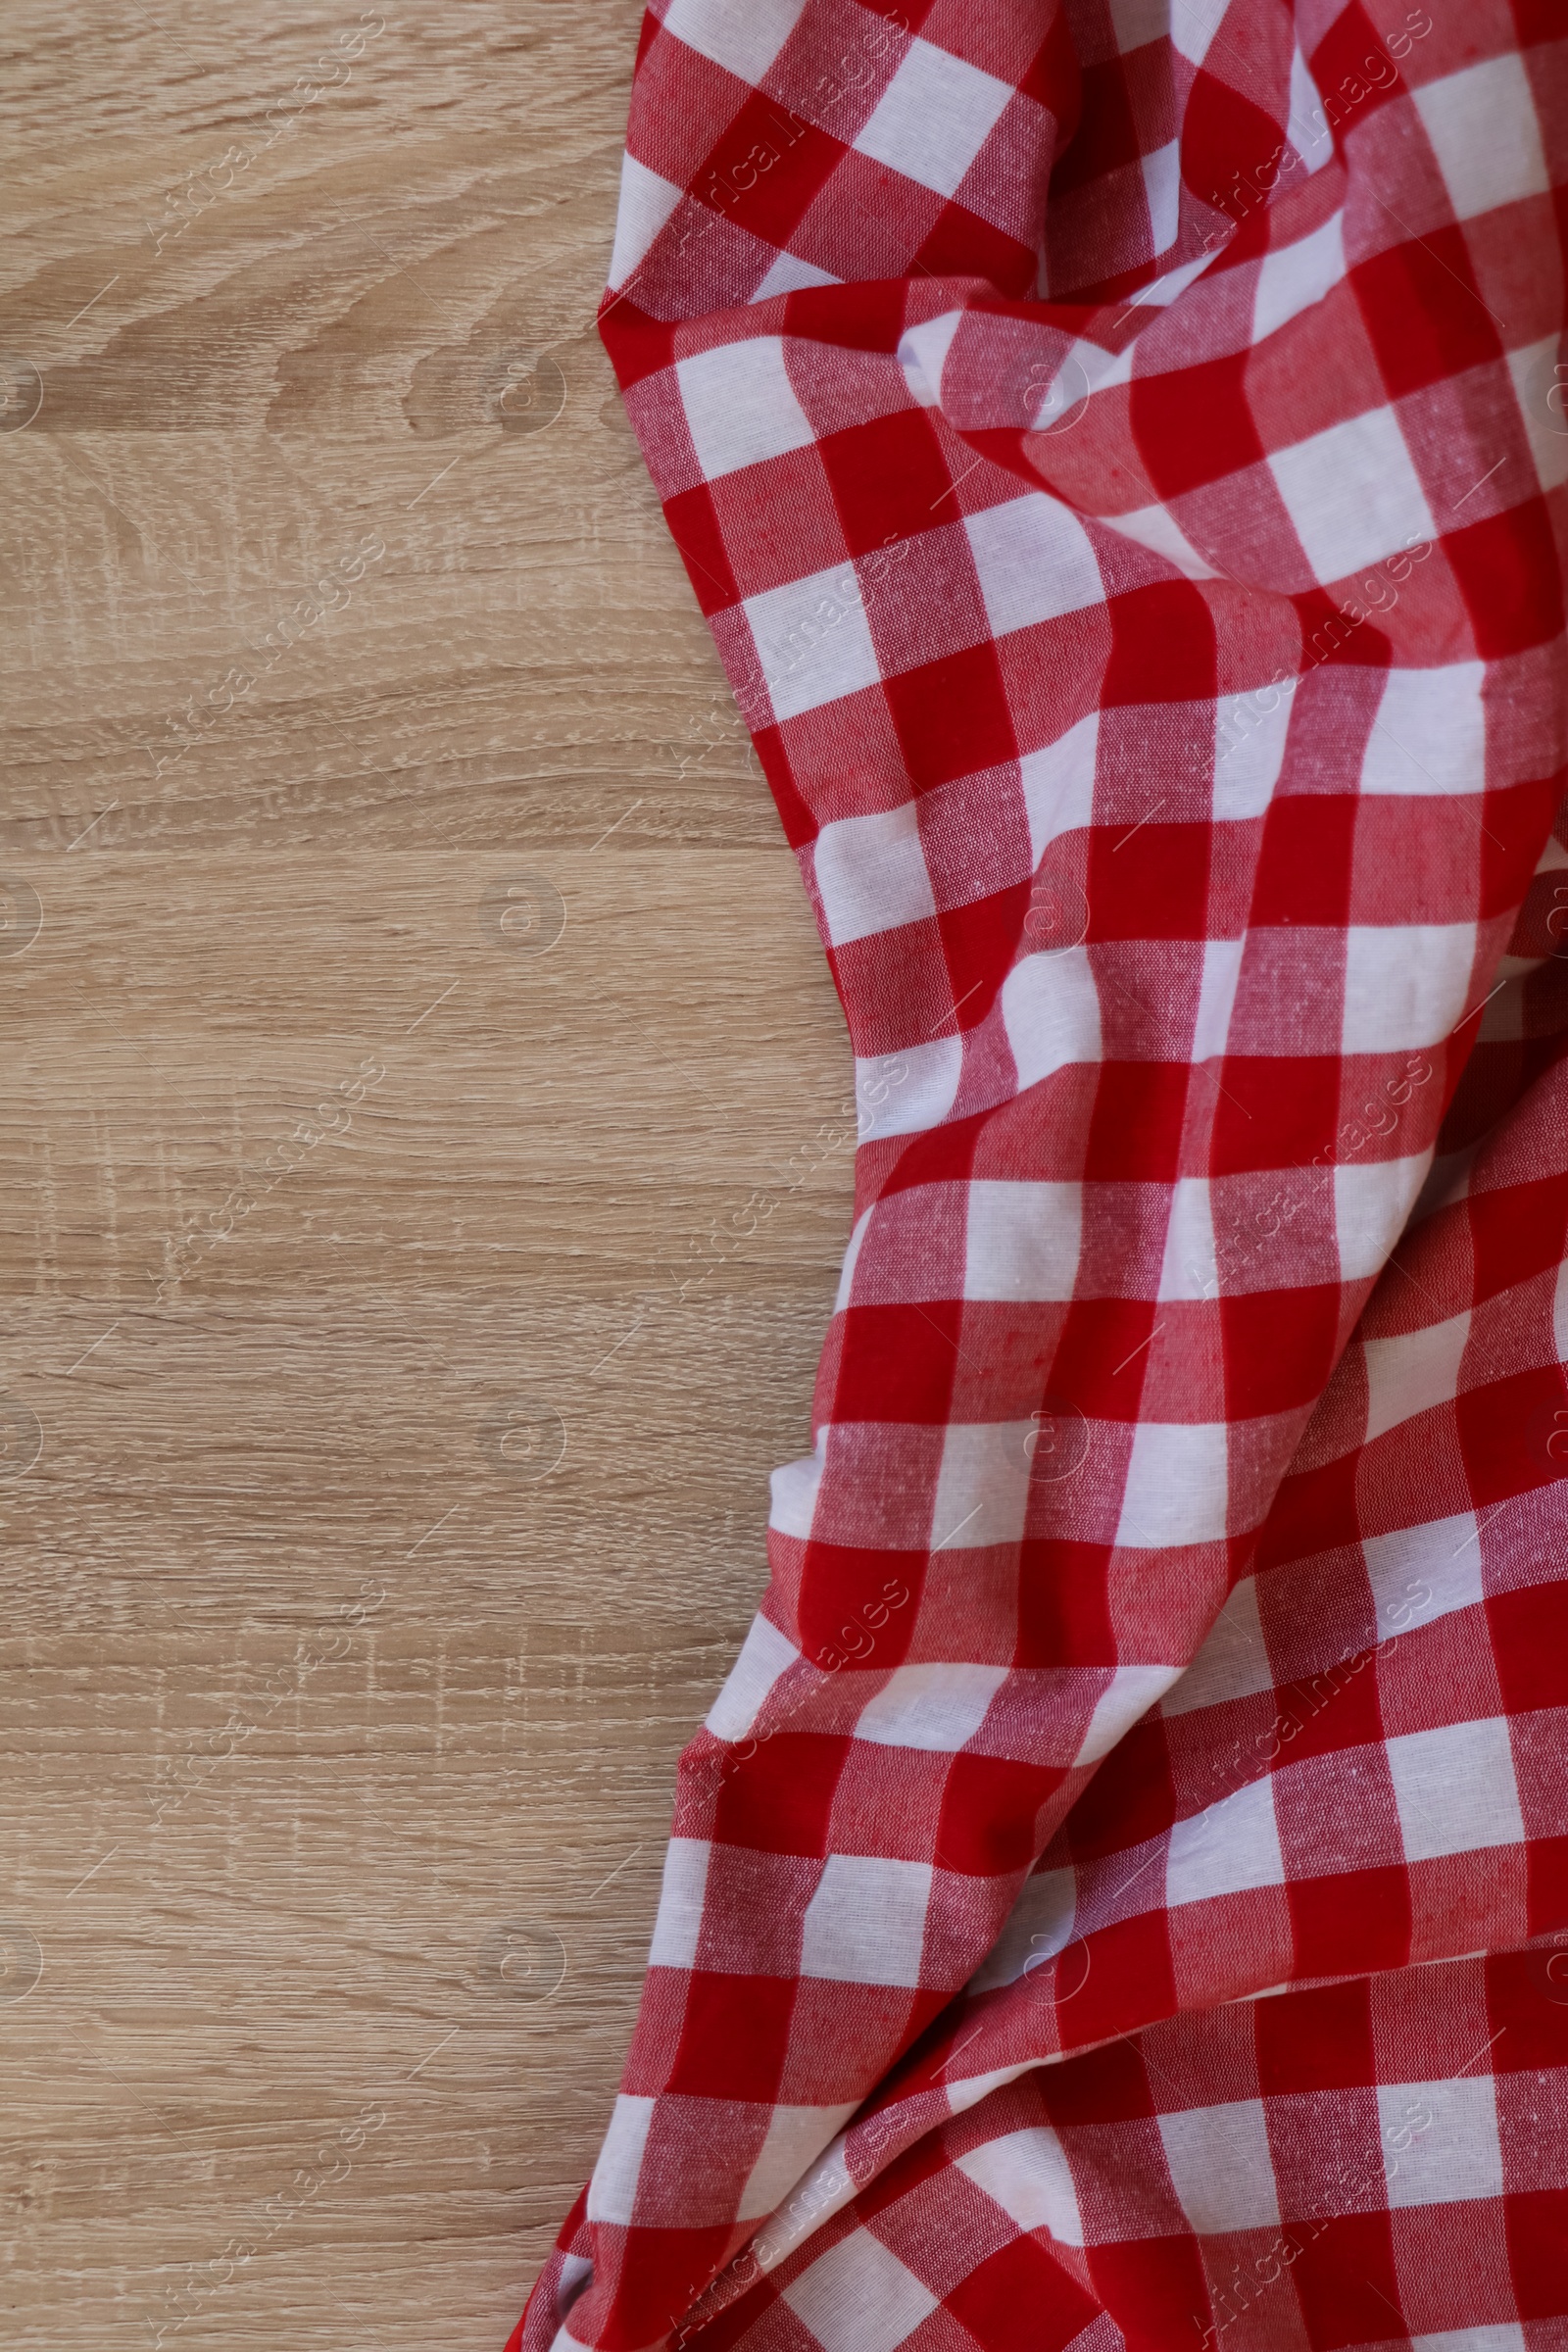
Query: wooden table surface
{"x": 390, "y": 1379}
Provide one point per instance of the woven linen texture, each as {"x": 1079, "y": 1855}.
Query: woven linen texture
{"x": 1120, "y": 1896}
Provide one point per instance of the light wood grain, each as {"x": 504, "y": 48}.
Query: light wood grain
{"x": 326, "y": 1718}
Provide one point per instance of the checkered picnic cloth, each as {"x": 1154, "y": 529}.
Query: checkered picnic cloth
{"x": 1120, "y": 1896}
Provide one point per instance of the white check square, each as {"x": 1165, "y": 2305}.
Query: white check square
{"x": 1023, "y": 1240}
{"x": 937, "y": 1708}
{"x": 744, "y": 36}
{"x": 1129, "y": 1694}
{"x": 1440, "y": 2141}
{"x": 1291, "y": 280}
{"x": 1156, "y": 529}
{"x": 794, "y": 1487}
{"x": 1486, "y": 135}
{"x": 1034, "y": 562}
{"x": 1226, "y": 1850}
{"x": 1216, "y": 1001}
{"x": 1249, "y": 750}
{"x": 1051, "y": 1012}
{"x": 1456, "y": 1790}
{"x": 766, "y": 1654}
{"x": 1410, "y": 1374}
{"x": 1027, "y": 2174}
{"x": 740, "y": 406}
{"x": 613, "y": 2191}
{"x": 679, "y": 1922}
{"x": 1193, "y": 25}
{"x": 1540, "y": 387}
{"x": 934, "y": 117}
{"x": 865, "y": 1924}
{"x": 1221, "y": 2167}
{"x": 1405, "y": 984}
{"x": 1176, "y": 1486}
{"x": 813, "y": 640}
{"x": 1418, "y": 1573}
{"x": 1307, "y": 123}
{"x": 871, "y": 873}
{"x": 646, "y": 204}
{"x": 859, "y": 2295}
{"x": 1352, "y": 494}
{"x": 1188, "y": 1269}
{"x": 908, "y": 1092}
{"x": 1058, "y": 784}
{"x": 1372, "y": 1200}
{"x": 789, "y": 272}
{"x": 982, "y": 1488}
{"x": 1430, "y": 732}
{"x": 1039, "y": 1927}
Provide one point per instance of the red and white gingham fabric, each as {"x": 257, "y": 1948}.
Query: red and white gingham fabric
{"x": 1119, "y": 446}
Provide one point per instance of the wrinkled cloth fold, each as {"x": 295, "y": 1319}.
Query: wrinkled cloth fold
{"x": 1120, "y": 447}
